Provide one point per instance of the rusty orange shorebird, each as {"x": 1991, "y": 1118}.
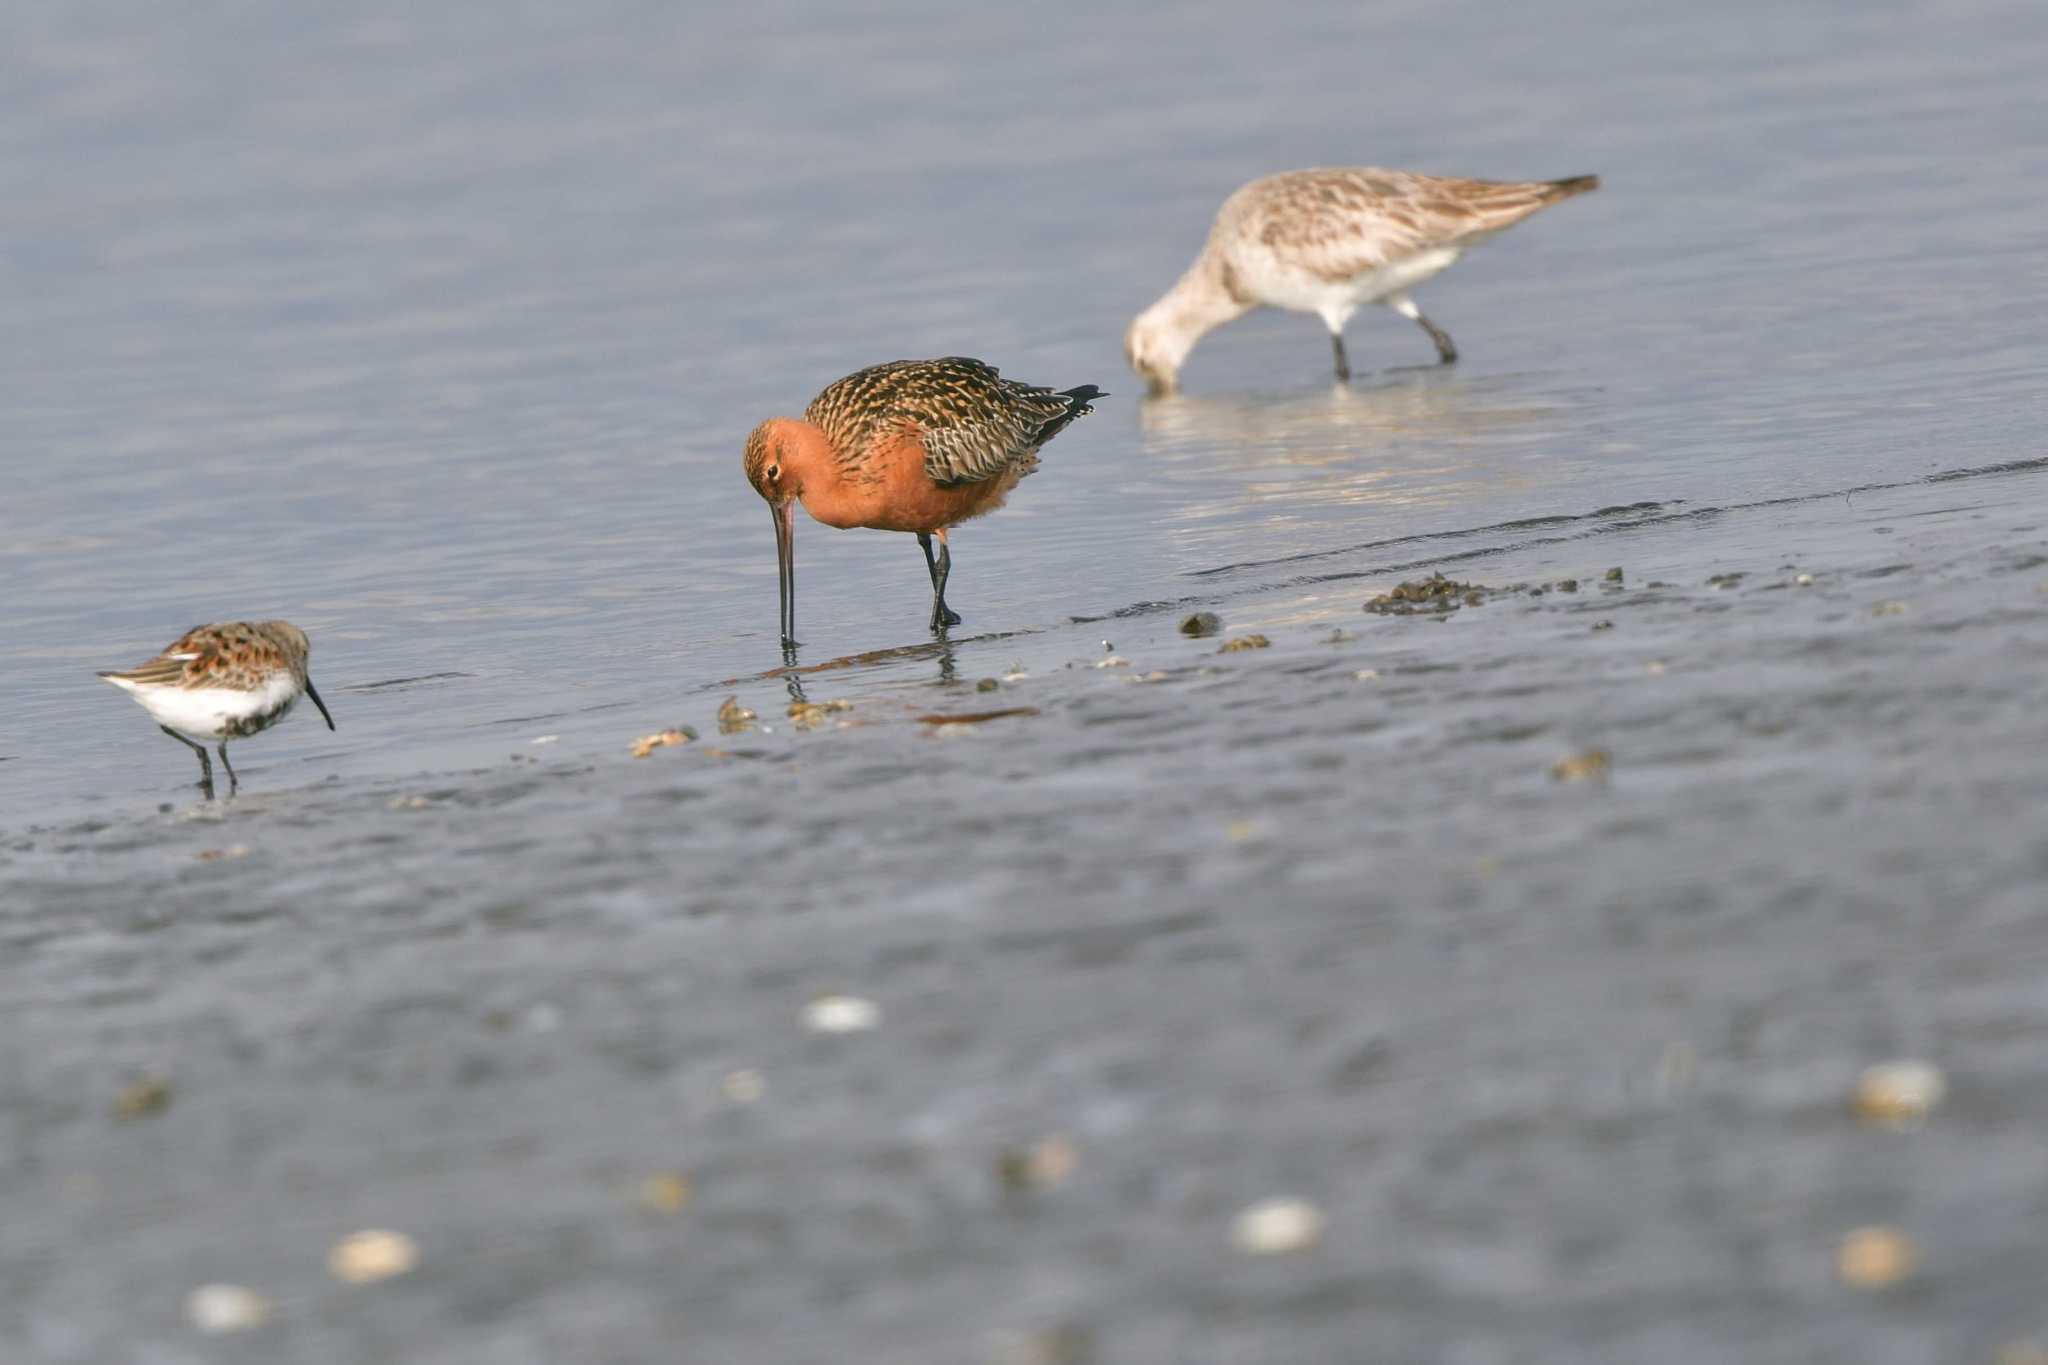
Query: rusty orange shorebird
{"x": 913, "y": 445}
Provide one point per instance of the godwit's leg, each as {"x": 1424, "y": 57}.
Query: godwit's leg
{"x": 232, "y": 783}
{"x": 205, "y": 763}
{"x": 1446, "y": 349}
{"x": 940, "y": 567}
{"x": 1337, "y": 349}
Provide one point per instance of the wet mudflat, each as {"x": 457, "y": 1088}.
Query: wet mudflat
{"x": 1562, "y": 1055}
{"x": 1482, "y": 977}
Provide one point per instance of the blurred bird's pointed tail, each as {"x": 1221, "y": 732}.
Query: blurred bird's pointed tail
{"x": 1569, "y": 186}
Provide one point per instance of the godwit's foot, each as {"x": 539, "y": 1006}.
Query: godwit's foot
{"x": 1343, "y": 364}
{"x": 941, "y": 566}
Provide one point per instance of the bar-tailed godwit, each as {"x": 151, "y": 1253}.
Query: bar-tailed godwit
{"x": 913, "y": 445}
{"x": 222, "y": 682}
{"x": 1327, "y": 242}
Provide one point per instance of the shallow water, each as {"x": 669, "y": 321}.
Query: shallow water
{"x": 438, "y": 334}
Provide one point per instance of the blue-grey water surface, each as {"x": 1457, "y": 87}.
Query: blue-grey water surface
{"x": 436, "y": 330}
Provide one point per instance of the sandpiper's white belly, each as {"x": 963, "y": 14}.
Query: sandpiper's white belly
{"x": 1281, "y": 284}
{"x": 215, "y": 713}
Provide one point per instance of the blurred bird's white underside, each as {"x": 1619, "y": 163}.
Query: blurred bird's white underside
{"x": 207, "y": 713}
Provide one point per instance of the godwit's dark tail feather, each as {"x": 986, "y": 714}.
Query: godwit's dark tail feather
{"x": 1080, "y": 402}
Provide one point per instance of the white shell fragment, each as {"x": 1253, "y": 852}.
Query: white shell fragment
{"x": 841, "y": 1014}
{"x": 372, "y": 1255}
{"x": 226, "y": 1308}
{"x": 1275, "y": 1227}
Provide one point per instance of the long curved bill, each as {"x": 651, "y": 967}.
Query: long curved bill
{"x": 785, "y": 564}
{"x": 319, "y": 703}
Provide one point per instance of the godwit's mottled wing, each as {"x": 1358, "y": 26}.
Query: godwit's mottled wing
{"x": 973, "y": 423}
{"x": 1343, "y": 222}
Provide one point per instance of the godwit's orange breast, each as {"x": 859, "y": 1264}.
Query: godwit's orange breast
{"x": 886, "y": 487}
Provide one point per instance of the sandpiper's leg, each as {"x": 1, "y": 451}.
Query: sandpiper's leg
{"x": 232, "y": 783}
{"x": 205, "y": 763}
{"x": 1337, "y": 349}
{"x": 1446, "y": 349}
{"x": 939, "y": 566}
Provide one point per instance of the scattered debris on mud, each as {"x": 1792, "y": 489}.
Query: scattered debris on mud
{"x": 1243, "y": 642}
{"x": 734, "y": 718}
{"x": 1431, "y": 596}
{"x": 1201, "y": 624}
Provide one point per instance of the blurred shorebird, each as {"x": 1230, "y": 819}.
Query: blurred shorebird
{"x": 222, "y": 682}
{"x": 913, "y": 445}
{"x": 1327, "y": 242}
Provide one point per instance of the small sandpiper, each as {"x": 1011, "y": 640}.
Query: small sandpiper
{"x": 221, "y": 682}
{"x": 1327, "y": 242}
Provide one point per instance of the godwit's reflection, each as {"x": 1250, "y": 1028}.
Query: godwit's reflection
{"x": 1420, "y": 438}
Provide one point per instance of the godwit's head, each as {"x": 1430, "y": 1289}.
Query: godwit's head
{"x": 1155, "y": 345}
{"x": 764, "y": 462}
{"x": 768, "y": 463}
{"x": 297, "y": 650}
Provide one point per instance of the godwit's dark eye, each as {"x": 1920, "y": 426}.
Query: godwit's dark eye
{"x": 774, "y": 472}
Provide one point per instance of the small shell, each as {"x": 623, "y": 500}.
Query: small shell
{"x": 1275, "y": 1227}
{"x": 226, "y": 1308}
{"x": 666, "y": 1192}
{"x": 1593, "y": 763}
{"x": 143, "y": 1097}
{"x": 661, "y": 739}
{"x": 841, "y": 1014}
{"x": 744, "y": 1086}
{"x": 808, "y": 715}
{"x": 734, "y": 718}
{"x": 1875, "y": 1258}
{"x": 1898, "y": 1094}
{"x": 1040, "y": 1166}
{"x": 371, "y": 1255}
